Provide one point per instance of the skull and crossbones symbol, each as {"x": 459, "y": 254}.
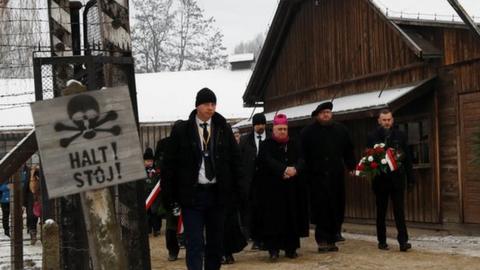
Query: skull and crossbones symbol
{"x": 84, "y": 113}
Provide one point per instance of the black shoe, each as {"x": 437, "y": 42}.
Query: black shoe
{"x": 291, "y": 254}
{"x": 322, "y": 247}
{"x": 383, "y": 246}
{"x": 339, "y": 238}
{"x": 7, "y": 232}
{"x": 273, "y": 255}
{"x": 332, "y": 247}
{"x": 156, "y": 233}
{"x": 229, "y": 259}
{"x": 172, "y": 257}
{"x": 255, "y": 246}
{"x": 405, "y": 246}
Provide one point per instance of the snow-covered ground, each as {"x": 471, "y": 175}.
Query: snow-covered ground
{"x": 32, "y": 255}
{"x": 462, "y": 245}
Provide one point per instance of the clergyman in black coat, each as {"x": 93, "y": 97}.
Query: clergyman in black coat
{"x": 327, "y": 149}
{"x": 391, "y": 184}
{"x": 201, "y": 172}
{"x": 282, "y": 193}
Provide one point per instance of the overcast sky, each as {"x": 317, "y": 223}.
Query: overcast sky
{"x": 243, "y": 20}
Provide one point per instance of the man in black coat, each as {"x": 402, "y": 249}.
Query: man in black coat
{"x": 201, "y": 172}
{"x": 327, "y": 149}
{"x": 391, "y": 184}
{"x": 249, "y": 148}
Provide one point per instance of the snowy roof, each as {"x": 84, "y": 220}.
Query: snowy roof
{"x": 342, "y": 105}
{"x": 161, "y": 97}
{"x": 241, "y": 57}
{"x": 15, "y": 94}
{"x": 169, "y": 96}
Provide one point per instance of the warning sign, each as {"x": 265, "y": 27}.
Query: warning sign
{"x": 88, "y": 141}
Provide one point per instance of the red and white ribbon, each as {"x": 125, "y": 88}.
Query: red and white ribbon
{"x": 180, "y": 224}
{"x": 357, "y": 171}
{"x": 153, "y": 195}
{"x": 390, "y": 157}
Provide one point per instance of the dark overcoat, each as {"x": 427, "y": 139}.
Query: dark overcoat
{"x": 327, "y": 150}
{"x": 396, "y": 139}
{"x": 183, "y": 158}
{"x": 248, "y": 151}
{"x": 283, "y": 204}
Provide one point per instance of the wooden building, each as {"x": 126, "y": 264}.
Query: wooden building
{"x": 427, "y": 72}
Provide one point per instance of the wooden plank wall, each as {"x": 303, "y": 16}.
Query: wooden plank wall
{"x": 151, "y": 134}
{"x": 456, "y": 79}
{"x": 469, "y": 125}
{"x": 459, "y": 45}
{"x": 330, "y": 43}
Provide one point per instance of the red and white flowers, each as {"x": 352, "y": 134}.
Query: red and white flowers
{"x": 377, "y": 160}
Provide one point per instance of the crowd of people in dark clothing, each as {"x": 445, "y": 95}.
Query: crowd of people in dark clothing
{"x": 265, "y": 187}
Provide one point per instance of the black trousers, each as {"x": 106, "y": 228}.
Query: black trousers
{"x": 32, "y": 220}
{"x": 325, "y": 232}
{"x": 329, "y": 211}
{"x": 6, "y": 216}
{"x": 340, "y": 206}
{"x": 204, "y": 216}
{"x": 154, "y": 221}
{"x": 171, "y": 234}
{"x": 386, "y": 188}
{"x": 172, "y": 241}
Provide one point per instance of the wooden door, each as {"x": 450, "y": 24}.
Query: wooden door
{"x": 470, "y": 176}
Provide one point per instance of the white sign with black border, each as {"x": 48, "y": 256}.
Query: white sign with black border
{"x": 88, "y": 141}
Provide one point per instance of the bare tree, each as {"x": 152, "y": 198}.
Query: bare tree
{"x": 213, "y": 52}
{"x": 21, "y": 34}
{"x": 151, "y": 34}
{"x": 174, "y": 35}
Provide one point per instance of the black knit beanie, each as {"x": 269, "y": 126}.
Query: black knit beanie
{"x": 148, "y": 155}
{"x": 259, "y": 119}
{"x": 205, "y": 95}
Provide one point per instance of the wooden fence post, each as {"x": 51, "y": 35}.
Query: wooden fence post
{"x": 105, "y": 245}
{"x": 16, "y": 230}
{"x": 106, "y": 248}
{"x": 51, "y": 246}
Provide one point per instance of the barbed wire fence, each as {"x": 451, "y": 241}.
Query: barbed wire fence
{"x": 24, "y": 32}
{"x": 401, "y": 14}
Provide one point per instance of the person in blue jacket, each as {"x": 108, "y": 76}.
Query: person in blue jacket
{"x": 5, "y": 203}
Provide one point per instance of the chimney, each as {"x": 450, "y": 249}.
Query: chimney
{"x": 241, "y": 61}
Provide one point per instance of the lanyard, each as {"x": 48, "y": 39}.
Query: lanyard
{"x": 205, "y": 142}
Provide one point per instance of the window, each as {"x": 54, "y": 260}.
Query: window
{"x": 418, "y": 134}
